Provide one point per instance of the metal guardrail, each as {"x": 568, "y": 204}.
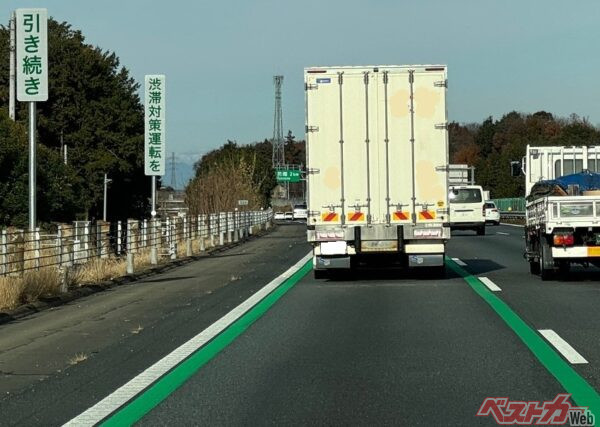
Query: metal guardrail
{"x": 512, "y": 215}
{"x": 71, "y": 245}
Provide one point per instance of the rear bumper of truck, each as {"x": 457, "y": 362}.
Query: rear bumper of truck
{"x": 419, "y": 245}
{"x": 578, "y": 252}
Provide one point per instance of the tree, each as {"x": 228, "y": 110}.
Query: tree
{"x": 95, "y": 109}
{"x": 492, "y": 145}
{"x": 57, "y": 184}
{"x": 244, "y": 171}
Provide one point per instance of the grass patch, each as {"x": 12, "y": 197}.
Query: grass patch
{"x": 78, "y": 358}
{"x": 47, "y": 280}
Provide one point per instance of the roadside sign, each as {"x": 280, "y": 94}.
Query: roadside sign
{"x": 154, "y": 125}
{"x": 32, "y": 54}
{"x": 288, "y": 175}
{"x": 242, "y": 202}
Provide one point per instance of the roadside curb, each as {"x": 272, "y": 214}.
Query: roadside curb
{"x": 89, "y": 289}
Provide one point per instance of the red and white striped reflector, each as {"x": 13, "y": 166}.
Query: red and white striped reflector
{"x": 399, "y": 215}
{"x": 330, "y": 217}
{"x": 356, "y": 216}
{"x": 427, "y": 215}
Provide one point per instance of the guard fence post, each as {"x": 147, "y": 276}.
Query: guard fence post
{"x": 130, "y": 245}
{"x": 119, "y": 239}
{"x": 229, "y": 227}
{"x": 153, "y": 242}
{"x": 202, "y": 229}
{"x": 188, "y": 234}
{"x": 3, "y": 251}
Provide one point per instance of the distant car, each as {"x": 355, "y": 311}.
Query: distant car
{"x": 289, "y": 215}
{"x": 467, "y": 208}
{"x": 492, "y": 215}
{"x": 300, "y": 211}
{"x": 279, "y": 215}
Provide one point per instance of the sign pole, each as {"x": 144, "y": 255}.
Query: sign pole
{"x": 13, "y": 72}
{"x": 153, "y": 196}
{"x": 106, "y": 182}
{"x": 31, "y": 52}
{"x": 32, "y": 167}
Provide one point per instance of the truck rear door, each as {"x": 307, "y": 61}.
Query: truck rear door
{"x": 413, "y": 144}
{"x": 341, "y": 134}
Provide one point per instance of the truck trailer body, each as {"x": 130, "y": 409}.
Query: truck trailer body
{"x": 377, "y": 164}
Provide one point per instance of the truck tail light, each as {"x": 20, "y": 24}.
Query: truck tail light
{"x": 483, "y": 210}
{"x": 564, "y": 240}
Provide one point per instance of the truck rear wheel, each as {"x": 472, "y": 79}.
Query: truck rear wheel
{"x": 534, "y": 267}
{"x": 546, "y": 261}
{"x": 564, "y": 267}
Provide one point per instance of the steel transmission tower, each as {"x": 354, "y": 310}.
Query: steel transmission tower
{"x": 277, "y": 141}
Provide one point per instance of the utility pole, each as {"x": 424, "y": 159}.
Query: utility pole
{"x": 12, "y": 25}
{"x": 106, "y": 182}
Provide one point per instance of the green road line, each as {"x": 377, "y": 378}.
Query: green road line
{"x": 583, "y": 394}
{"x": 161, "y": 389}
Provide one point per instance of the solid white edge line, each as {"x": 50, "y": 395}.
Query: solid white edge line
{"x": 502, "y": 233}
{"x": 490, "y": 285}
{"x": 459, "y": 262}
{"x": 562, "y": 346}
{"x": 512, "y": 225}
{"x": 129, "y": 390}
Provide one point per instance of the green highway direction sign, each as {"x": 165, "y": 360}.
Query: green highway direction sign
{"x": 288, "y": 175}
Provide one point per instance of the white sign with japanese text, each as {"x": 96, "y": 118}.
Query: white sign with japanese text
{"x": 32, "y": 54}
{"x": 154, "y": 124}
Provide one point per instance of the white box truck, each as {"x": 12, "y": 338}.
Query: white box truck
{"x": 377, "y": 165}
{"x": 562, "y": 218}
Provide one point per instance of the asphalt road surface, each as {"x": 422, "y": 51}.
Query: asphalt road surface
{"x": 369, "y": 349}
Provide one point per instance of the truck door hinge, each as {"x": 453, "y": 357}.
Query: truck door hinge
{"x": 311, "y": 128}
{"x": 441, "y": 83}
{"x": 308, "y": 86}
{"x": 313, "y": 171}
{"x": 441, "y": 125}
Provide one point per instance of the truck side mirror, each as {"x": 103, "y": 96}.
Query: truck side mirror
{"x": 515, "y": 168}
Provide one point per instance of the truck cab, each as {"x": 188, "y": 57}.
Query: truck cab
{"x": 467, "y": 208}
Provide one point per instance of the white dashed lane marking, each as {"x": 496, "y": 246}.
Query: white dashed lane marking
{"x": 562, "y": 346}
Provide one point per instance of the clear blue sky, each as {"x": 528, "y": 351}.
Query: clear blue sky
{"x": 219, "y": 57}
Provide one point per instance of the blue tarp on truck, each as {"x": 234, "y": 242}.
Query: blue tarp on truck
{"x": 585, "y": 180}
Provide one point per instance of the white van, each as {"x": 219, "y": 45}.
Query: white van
{"x": 467, "y": 208}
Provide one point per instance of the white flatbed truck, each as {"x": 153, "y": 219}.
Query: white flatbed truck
{"x": 560, "y": 230}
